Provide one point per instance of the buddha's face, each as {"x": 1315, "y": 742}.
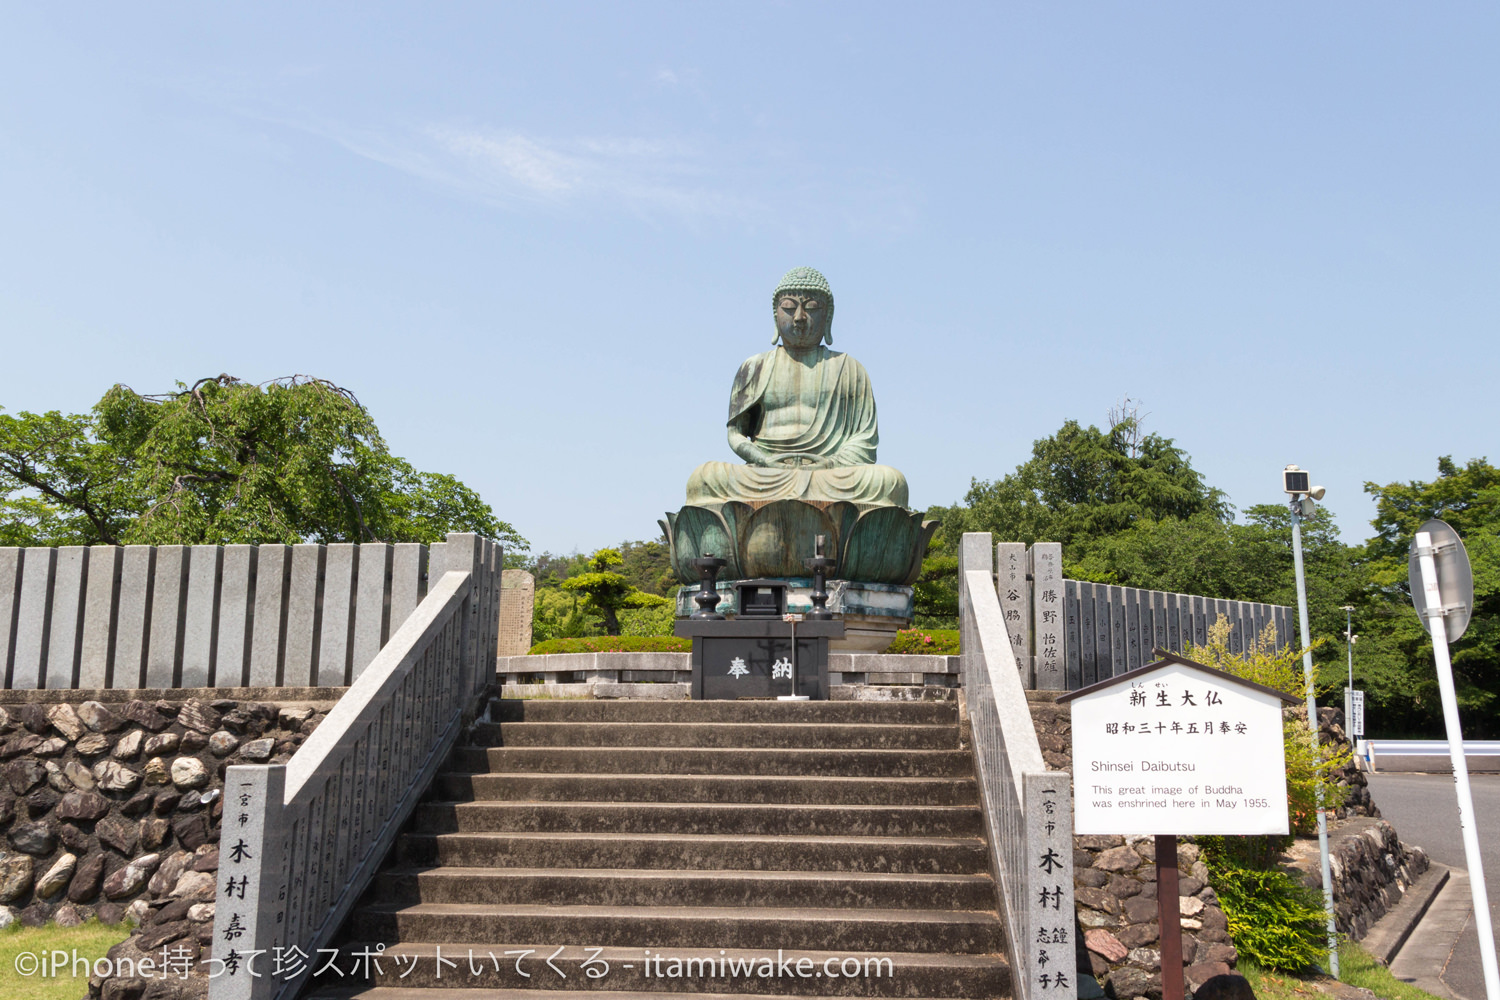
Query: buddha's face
{"x": 801, "y": 319}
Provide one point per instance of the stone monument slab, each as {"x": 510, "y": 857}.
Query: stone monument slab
{"x": 517, "y": 598}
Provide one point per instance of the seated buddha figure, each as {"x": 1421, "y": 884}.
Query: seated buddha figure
{"x": 801, "y": 416}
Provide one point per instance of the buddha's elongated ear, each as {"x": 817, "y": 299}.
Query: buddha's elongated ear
{"x": 827, "y": 336}
{"x": 775, "y": 338}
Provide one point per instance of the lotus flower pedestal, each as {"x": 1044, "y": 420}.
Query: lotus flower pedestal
{"x": 878, "y": 552}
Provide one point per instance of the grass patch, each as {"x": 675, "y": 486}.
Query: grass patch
{"x": 1357, "y": 967}
{"x": 91, "y": 941}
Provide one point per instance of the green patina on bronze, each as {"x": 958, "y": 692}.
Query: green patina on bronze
{"x": 806, "y": 279}
{"x": 871, "y": 544}
{"x": 802, "y": 417}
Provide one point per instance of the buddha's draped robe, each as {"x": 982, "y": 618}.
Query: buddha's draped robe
{"x": 841, "y": 429}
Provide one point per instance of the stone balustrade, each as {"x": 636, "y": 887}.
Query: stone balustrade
{"x": 303, "y": 839}
{"x": 1028, "y": 809}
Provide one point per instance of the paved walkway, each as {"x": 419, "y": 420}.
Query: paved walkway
{"x": 1442, "y": 954}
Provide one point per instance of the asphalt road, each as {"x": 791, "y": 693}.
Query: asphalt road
{"x": 1424, "y": 811}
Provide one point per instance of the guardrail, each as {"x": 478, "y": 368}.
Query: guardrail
{"x": 302, "y": 840}
{"x": 1028, "y": 810}
{"x": 1427, "y": 755}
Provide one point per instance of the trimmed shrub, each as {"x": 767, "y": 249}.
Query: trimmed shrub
{"x": 657, "y": 621}
{"x": 615, "y": 644}
{"x": 932, "y": 641}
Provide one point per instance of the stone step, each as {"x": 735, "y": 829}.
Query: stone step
{"x": 964, "y": 932}
{"x": 950, "y": 763}
{"x": 710, "y": 819}
{"x": 748, "y": 735}
{"x": 529, "y": 787}
{"x": 632, "y": 887}
{"x": 676, "y": 852}
{"x": 756, "y": 712}
{"x": 415, "y": 965}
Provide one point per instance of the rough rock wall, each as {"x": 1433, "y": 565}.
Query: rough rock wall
{"x": 113, "y": 810}
{"x": 1371, "y": 871}
{"x": 1114, "y": 881}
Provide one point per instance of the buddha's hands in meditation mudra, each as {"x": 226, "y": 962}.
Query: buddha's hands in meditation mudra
{"x": 801, "y": 416}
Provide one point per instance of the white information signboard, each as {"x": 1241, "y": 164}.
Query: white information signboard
{"x": 1356, "y": 713}
{"x": 1176, "y": 747}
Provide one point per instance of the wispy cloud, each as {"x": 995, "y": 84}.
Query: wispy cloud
{"x": 512, "y": 169}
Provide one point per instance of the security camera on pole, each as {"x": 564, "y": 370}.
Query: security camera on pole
{"x": 1442, "y": 590}
{"x": 1295, "y": 482}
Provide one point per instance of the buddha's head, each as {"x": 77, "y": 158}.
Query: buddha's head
{"x": 803, "y": 307}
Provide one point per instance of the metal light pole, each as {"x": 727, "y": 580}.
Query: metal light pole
{"x": 1300, "y": 507}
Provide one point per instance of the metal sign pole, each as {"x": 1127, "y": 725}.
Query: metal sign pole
{"x": 1349, "y": 691}
{"x": 1312, "y": 724}
{"x": 1434, "y": 611}
{"x": 794, "y": 696}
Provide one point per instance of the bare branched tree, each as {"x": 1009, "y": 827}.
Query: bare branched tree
{"x": 1125, "y": 420}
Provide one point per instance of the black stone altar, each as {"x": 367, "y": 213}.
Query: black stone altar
{"x": 751, "y": 658}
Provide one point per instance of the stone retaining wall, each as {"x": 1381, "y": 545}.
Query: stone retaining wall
{"x": 1371, "y": 870}
{"x": 112, "y": 810}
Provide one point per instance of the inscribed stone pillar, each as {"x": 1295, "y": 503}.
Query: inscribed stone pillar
{"x": 517, "y": 594}
{"x": 1047, "y": 594}
{"x": 1015, "y": 602}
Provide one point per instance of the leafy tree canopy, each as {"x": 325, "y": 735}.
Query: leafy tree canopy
{"x": 1394, "y": 653}
{"x": 1082, "y": 484}
{"x": 223, "y": 461}
{"x": 1129, "y": 509}
{"x": 610, "y": 592}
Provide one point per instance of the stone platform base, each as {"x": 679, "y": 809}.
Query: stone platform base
{"x": 851, "y": 676}
{"x": 867, "y": 634}
{"x": 872, "y": 612}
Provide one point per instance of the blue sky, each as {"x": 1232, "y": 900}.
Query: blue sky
{"x": 536, "y": 240}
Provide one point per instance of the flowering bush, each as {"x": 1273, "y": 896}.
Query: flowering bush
{"x": 934, "y": 642}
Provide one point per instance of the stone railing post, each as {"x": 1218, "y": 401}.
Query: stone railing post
{"x": 464, "y": 553}
{"x": 1011, "y": 572}
{"x": 1049, "y": 924}
{"x": 249, "y": 920}
{"x": 1047, "y": 602}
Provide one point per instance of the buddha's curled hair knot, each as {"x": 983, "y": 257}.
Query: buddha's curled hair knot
{"x": 805, "y": 279}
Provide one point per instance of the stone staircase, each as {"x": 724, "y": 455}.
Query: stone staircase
{"x": 809, "y": 839}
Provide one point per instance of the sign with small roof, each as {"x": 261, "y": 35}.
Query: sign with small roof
{"x": 1177, "y": 747}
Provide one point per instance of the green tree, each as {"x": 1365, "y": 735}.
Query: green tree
{"x": 610, "y": 592}
{"x": 223, "y": 461}
{"x": 648, "y": 565}
{"x": 1246, "y": 562}
{"x": 1080, "y": 486}
{"x": 1083, "y": 484}
{"x": 1393, "y": 658}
